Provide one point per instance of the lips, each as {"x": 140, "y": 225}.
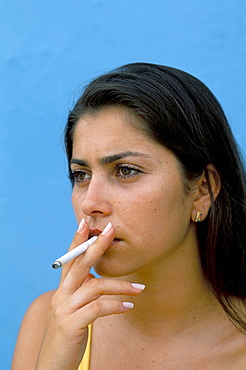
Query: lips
{"x": 97, "y": 232}
{"x": 94, "y": 232}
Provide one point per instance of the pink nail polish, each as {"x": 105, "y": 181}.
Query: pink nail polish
{"x": 81, "y": 225}
{"x": 138, "y": 286}
{"x": 107, "y": 228}
{"x": 128, "y": 304}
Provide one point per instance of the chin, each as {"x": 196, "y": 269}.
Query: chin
{"x": 107, "y": 271}
{"x": 106, "y": 267}
{"x": 109, "y": 268}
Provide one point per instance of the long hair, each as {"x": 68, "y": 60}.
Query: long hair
{"x": 182, "y": 114}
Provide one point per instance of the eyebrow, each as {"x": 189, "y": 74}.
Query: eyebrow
{"x": 110, "y": 158}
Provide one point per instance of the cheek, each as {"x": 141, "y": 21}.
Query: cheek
{"x": 140, "y": 210}
{"x": 76, "y": 202}
{"x": 156, "y": 210}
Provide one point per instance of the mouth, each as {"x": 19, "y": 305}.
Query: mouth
{"x": 94, "y": 232}
{"x": 97, "y": 232}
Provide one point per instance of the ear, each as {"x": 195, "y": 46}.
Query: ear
{"x": 202, "y": 197}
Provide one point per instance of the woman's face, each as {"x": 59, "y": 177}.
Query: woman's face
{"x": 123, "y": 177}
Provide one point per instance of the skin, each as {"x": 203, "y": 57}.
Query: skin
{"x": 124, "y": 178}
{"x": 144, "y": 201}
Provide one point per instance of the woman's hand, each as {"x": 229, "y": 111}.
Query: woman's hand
{"x": 76, "y": 304}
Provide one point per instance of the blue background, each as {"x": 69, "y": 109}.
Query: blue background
{"x": 48, "y": 50}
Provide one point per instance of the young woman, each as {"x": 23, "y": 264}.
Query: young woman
{"x": 157, "y": 176}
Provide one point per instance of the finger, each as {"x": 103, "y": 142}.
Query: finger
{"x": 97, "y": 249}
{"x": 80, "y": 236}
{"x": 89, "y": 277}
{"x": 77, "y": 322}
{"x": 100, "y": 308}
{"x": 96, "y": 288}
{"x": 81, "y": 265}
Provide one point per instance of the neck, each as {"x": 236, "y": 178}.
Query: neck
{"x": 176, "y": 294}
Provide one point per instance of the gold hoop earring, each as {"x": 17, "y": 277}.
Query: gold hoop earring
{"x": 198, "y": 217}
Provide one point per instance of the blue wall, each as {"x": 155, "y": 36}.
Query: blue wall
{"x": 48, "y": 49}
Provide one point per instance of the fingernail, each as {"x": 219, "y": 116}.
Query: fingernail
{"x": 128, "y": 304}
{"x": 107, "y": 228}
{"x": 138, "y": 286}
{"x": 81, "y": 225}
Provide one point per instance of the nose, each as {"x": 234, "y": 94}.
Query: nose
{"x": 96, "y": 198}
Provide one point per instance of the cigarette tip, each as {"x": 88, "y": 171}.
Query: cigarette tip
{"x": 56, "y": 265}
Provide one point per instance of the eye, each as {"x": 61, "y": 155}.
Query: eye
{"x": 79, "y": 176}
{"x": 126, "y": 171}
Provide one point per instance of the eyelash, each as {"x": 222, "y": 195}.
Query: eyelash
{"x": 74, "y": 175}
{"x": 132, "y": 168}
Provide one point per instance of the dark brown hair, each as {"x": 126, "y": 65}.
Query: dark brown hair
{"x": 182, "y": 114}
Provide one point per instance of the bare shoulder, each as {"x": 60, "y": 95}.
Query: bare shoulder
{"x": 31, "y": 332}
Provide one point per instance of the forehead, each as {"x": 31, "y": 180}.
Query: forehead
{"x": 111, "y": 133}
{"x": 110, "y": 126}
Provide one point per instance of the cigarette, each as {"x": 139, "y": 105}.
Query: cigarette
{"x": 69, "y": 256}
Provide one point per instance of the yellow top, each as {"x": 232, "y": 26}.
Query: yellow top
{"x": 85, "y": 363}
